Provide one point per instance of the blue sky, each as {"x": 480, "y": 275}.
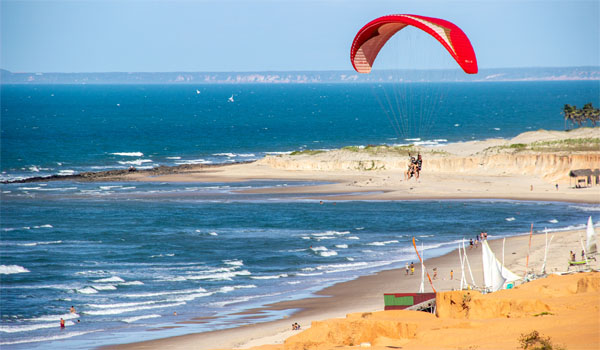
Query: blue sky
{"x": 260, "y": 35}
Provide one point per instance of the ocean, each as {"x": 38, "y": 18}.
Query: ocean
{"x": 63, "y": 129}
{"x": 129, "y": 255}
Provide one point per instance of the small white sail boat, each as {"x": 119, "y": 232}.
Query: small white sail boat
{"x": 591, "y": 246}
{"x": 494, "y": 273}
{"x": 230, "y": 99}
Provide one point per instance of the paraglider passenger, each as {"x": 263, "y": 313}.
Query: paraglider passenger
{"x": 412, "y": 169}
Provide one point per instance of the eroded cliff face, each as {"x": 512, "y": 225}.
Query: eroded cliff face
{"x": 552, "y": 167}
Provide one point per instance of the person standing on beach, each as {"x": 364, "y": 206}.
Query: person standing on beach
{"x": 412, "y": 268}
{"x": 471, "y": 243}
{"x": 435, "y": 273}
{"x": 451, "y": 274}
{"x": 406, "y": 268}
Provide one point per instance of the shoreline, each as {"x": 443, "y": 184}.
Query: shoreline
{"x": 533, "y": 166}
{"x": 364, "y": 294}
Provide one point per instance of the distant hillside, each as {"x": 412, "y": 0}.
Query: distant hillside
{"x": 382, "y": 76}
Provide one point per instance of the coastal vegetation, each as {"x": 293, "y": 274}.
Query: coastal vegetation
{"x": 381, "y": 150}
{"x": 534, "y": 341}
{"x": 309, "y": 152}
{"x": 570, "y": 145}
{"x": 581, "y": 116}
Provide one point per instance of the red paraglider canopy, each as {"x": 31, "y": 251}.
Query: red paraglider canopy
{"x": 373, "y": 36}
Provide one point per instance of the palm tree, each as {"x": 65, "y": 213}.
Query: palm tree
{"x": 581, "y": 116}
{"x": 568, "y": 112}
{"x": 590, "y": 113}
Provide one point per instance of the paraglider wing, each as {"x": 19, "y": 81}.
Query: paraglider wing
{"x": 373, "y": 36}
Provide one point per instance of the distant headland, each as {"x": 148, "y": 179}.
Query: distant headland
{"x": 303, "y": 77}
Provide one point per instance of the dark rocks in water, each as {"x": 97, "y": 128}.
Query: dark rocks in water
{"x": 120, "y": 175}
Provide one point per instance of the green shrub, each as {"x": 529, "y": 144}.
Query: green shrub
{"x": 534, "y": 341}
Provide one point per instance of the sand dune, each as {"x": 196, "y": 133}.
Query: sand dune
{"x": 527, "y": 167}
{"x": 562, "y": 307}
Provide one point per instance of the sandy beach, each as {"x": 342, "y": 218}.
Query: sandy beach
{"x": 365, "y": 294}
{"x": 470, "y": 170}
{"x": 531, "y": 166}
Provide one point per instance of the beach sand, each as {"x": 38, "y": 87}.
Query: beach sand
{"x": 365, "y": 294}
{"x": 464, "y": 170}
{"x": 468, "y": 170}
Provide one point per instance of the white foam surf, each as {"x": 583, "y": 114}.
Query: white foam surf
{"x": 120, "y": 305}
{"x": 157, "y": 294}
{"x": 12, "y": 269}
{"x": 382, "y": 243}
{"x": 234, "y": 262}
{"x": 128, "y": 154}
{"x": 110, "y": 279}
{"x": 582, "y": 208}
{"x": 54, "y": 337}
{"x": 223, "y": 276}
{"x": 117, "y": 311}
{"x": 135, "y": 162}
{"x": 271, "y": 277}
{"x": 50, "y": 318}
{"x": 138, "y": 318}
{"x": 328, "y": 253}
{"x": 87, "y": 290}
{"x": 104, "y": 287}
{"x": 30, "y": 327}
{"x": 132, "y": 283}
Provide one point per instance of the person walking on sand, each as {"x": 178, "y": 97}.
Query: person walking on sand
{"x": 471, "y": 243}
{"x": 435, "y": 273}
{"x": 412, "y": 268}
{"x": 406, "y": 266}
{"x": 451, "y": 274}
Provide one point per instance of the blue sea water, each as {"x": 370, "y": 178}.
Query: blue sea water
{"x": 129, "y": 255}
{"x": 72, "y": 128}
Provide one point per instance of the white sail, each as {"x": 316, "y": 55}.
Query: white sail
{"x": 591, "y": 246}
{"x": 546, "y": 248}
{"x": 492, "y": 274}
{"x": 463, "y": 279}
{"x": 468, "y": 264}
